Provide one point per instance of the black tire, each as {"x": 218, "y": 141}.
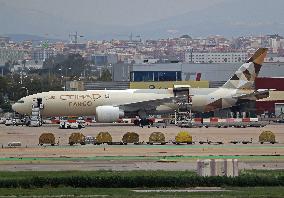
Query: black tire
{"x": 52, "y": 144}
{"x": 136, "y": 122}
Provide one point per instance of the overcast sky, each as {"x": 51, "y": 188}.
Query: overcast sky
{"x": 107, "y": 12}
{"x": 101, "y": 17}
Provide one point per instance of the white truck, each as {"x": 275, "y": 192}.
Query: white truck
{"x": 65, "y": 124}
{"x": 18, "y": 121}
{"x": 9, "y": 122}
{"x": 2, "y": 120}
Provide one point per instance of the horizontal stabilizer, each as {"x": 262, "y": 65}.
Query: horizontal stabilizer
{"x": 256, "y": 95}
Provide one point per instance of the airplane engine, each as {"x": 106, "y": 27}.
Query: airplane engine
{"x": 108, "y": 114}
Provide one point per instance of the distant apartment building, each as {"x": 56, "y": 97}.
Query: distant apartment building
{"x": 104, "y": 59}
{"x": 99, "y": 59}
{"x": 41, "y": 54}
{"x": 275, "y": 42}
{"x": 273, "y": 59}
{"x": 4, "y": 40}
{"x": 215, "y": 57}
{"x": 10, "y": 55}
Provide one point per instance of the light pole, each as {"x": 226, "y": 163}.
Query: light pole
{"x": 61, "y": 76}
{"x": 22, "y": 68}
{"x": 66, "y": 76}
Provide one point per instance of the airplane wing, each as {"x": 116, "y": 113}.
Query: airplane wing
{"x": 256, "y": 95}
{"x": 146, "y": 105}
{"x": 150, "y": 105}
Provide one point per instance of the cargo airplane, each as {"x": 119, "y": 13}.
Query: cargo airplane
{"x": 110, "y": 105}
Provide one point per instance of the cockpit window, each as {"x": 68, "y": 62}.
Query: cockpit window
{"x": 20, "y": 101}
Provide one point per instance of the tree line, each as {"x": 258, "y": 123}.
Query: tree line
{"x": 52, "y": 77}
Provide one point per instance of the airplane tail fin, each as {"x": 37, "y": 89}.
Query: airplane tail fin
{"x": 245, "y": 76}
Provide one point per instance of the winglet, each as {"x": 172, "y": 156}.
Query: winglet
{"x": 258, "y": 56}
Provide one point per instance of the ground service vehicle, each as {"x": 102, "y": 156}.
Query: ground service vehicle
{"x": 14, "y": 144}
{"x": 2, "y": 120}
{"x": 17, "y": 121}
{"x": 9, "y": 122}
{"x": 90, "y": 140}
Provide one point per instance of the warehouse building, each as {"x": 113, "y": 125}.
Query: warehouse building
{"x": 273, "y": 106}
{"x": 215, "y": 57}
{"x": 216, "y": 74}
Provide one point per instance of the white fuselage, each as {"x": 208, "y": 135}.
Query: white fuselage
{"x": 62, "y": 103}
{"x": 84, "y": 103}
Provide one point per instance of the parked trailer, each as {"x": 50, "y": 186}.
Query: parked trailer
{"x": 222, "y": 123}
{"x": 14, "y": 144}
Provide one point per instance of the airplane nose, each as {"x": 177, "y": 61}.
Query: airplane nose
{"x": 15, "y": 107}
{"x": 18, "y": 108}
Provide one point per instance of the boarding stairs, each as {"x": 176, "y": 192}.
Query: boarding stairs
{"x": 36, "y": 113}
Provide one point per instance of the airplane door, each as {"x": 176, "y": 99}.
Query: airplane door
{"x": 39, "y": 103}
{"x": 183, "y": 93}
{"x": 183, "y": 98}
